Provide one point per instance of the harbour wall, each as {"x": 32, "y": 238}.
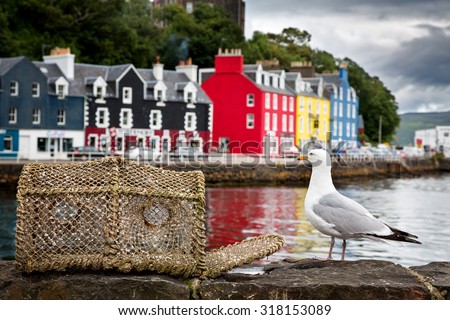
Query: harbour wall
{"x": 275, "y": 173}
{"x": 286, "y": 280}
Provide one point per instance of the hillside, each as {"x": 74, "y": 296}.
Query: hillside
{"x": 410, "y": 122}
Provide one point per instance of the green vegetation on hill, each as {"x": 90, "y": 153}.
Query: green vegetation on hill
{"x": 410, "y": 122}
{"x": 118, "y": 31}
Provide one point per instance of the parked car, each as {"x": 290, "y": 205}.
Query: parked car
{"x": 88, "y": 153}
{"x": 187, "y": 153}
{"x": 412, "y": 152}
{"x": 142, "y": 154}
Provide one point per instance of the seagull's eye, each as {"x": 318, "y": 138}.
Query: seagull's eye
{"x": 311, "y": 154}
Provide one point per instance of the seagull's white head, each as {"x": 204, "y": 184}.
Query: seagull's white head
{"x": 319, "y": 158}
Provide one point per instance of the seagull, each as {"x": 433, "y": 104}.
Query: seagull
{"x": 340, "y": 217}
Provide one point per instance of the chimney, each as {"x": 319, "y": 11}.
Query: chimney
{"x": 158, "y": 70}
{"x": 64, "y": 59}
{"x": 189, "y": 69}
{"x": 229, "y": 61}
{"x": 305, "y": 68}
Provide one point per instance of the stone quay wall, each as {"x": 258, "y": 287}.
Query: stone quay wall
{"x": 295, "y": 172}
{"x": 286, "y": 280}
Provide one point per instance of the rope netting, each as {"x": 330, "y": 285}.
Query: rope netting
{"x": 118, "y": 214}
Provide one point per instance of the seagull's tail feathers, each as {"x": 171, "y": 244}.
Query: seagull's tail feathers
{"x": 397, "y": 235}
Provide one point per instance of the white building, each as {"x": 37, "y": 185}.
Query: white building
{"x": 437, "y": 139}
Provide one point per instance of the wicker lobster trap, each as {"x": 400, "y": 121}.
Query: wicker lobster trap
{"x": 117, "y": 214}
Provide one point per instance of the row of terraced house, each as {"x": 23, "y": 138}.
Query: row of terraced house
{"x": 49, "y": 107}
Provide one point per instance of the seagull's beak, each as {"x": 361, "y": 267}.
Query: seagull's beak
{"x": 302, "y": 157}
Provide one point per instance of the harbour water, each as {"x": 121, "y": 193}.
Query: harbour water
{"x": 419, "y": 205}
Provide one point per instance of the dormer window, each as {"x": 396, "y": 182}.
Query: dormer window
{"x": 99, "y": 90}
{"x": 14, "y": 88}
{"x": 62, "y": 88}
{"x": 190, "y": 94}
{"x": 35, "y": 89}
{"x": 159, "y": 92}
{"x": 190, "y": 97}
{"x": 127, "y": 95}
{"x": 60, "y": 91}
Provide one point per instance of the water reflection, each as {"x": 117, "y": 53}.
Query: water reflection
{"x": 417, "y": 205}
{"x": 238, "y": 213}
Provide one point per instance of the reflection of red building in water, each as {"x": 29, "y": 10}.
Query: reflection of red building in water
{"x": 151, "y": 108}
{"x": 235, "y": 214}
{"x": 250, "y": 104}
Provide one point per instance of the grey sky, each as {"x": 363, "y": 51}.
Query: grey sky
{"x": 406, "y": 43}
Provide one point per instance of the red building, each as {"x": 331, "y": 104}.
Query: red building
{"x": 250, "y": 105}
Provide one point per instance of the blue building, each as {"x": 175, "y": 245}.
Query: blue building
{"x": 35, "y": 103}
{"x": 344, "y": 105}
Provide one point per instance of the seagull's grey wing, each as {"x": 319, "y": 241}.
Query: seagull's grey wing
{"x": 348, "y": 216}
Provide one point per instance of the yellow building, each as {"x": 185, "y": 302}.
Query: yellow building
{"x": 312, "y": 110}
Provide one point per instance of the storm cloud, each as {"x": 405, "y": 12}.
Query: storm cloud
{"x": 406, "y": 43}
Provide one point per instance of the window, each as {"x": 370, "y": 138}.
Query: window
{"x": 274, "y": 122}
{"x": 302, "y": 103}
{"x": 60, "y": 91}
{"x": 159, "y": 96}
{"x": 347, "y": 129}
{"x": 309, "y": 105}
{"x": 67, "y": 144}
{"x": 291, "y": 104}
{"x": 341, "y": 93}
{"x": 325, "y": 108}
{"x": 61, "y": 117}
{"x": 14, "y": 88}
{"x": 318, "y": 107}
{"x": 301, "y": 125}
{"x": 335, "y": 108}
{"x": 190, "y": 121}
{"x": 335, "y": 128}
{"x": 119, "y": 144}
{"x": 267, "y": 101}
{"x": 250, "y": 100}
{"x": 353, "y": 130}
{"x": 291, "y": 123}
{"x": 250, "y": 121}
{"x": 35, "y": 89}
{"x": 324, "y": 126}
{"x": 102, "y": 118}
{"x": 267, "y": 121}
{"x": 127, "y": 95}
{"x": 284, "y": 107}
{"x": 61, "y": 87}
{"x": 275, "y": 101}
{"x": 348, "y": 110}
{"x": 340, "y": 129}
{"x": 284, "y": 123}
{"x": 155, "y": 119}
{"x": 190, "y": 97}
{"x": 126, "y": 118}
{"x": 354, "y": 111}
{"x": 341, "y": 111}
{"x": 42, "y": 144}
{"x": 36, "y": 118}
{"x": 7, "y": 143}
{"x": 12, "y": 115}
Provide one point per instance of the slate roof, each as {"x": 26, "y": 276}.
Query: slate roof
{"x": 7, "y": 63}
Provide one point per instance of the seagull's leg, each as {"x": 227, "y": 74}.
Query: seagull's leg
{"x": 330, "y": 253}
{"x": 344, "y": 245}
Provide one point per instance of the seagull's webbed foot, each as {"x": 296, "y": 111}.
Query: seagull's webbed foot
{"x": 330, "y": 253}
